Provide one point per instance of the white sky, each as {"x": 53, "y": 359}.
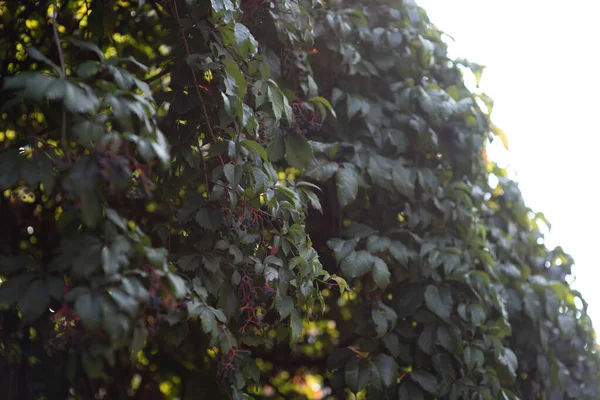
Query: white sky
{"x": 542, "y": 73}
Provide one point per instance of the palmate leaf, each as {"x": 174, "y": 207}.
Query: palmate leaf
{"x": 439, "y": 300}
{"x": 356, "y": 264}
{"x": 34, "y": 301}
{"x": 452, "y": 284}
{"x": 321, "y": 170}
{"x": 347, "y": 183}
{"x": 358, "y": 374}
{"x": 245, "y": 42}
{"x": 280, "y": 105}
{"x": 298, "y": 151}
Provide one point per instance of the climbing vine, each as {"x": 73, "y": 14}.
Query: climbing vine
{"x": 255, "y": 199}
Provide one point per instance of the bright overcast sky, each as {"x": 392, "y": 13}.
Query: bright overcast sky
{"x": 544, "y": 81}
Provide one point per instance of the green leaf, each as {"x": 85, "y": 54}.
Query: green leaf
{"x": 313, "y": 199}
{"x": 379, "y": 169}
{"x": 321, "y": 171}
{"x": 426, "y": 339}
{"x": 295, "y": 326}
{"x": 126, "y": 302}
{"x": 377, "y": 244}
{"x": 276, "y": 149}
{"x": 347, "y": 182}
{"x": 477, "y": 315}
{"x": 439, "y": 300}
{"x": 39, "y": 56}
{"x": 403, "y": 180}
{"x": 233, "y": 70}
{"x": 567, "y": 324}
{"x": 279, "y": 103}
{"x": 178, "y": 285}
{"x": 387, "y": 368}
{"x": 509, "y": 359}
{"x": 409, "y": 300}
{"x": 446, "y": 340}
{"x": 140, "y": 334}
{"x": 88, "y": 308}
{"x": 284, "y": 306}
{"x": 110, "y": 262}
{"x": 209, "y": 219}
{"x": 298, "y": 151}
{"x": 115, "y": 218}
{"x": 245, "y": 42}
{"x": 338, "y": 357}
{"x": 322, "y": 103}
{"x": 342, "y": 248}
{"x": 357, "y": 374}
{"x": 442, "y": 363}
{"x": 253, "y": 146}
{"x": 90, "y": 208}
{"x": 381, "y": 273}
{"x": 410, "y": 391}
{"x": 223, "y": 8}
{"x": 473, "y": 357}
{"x": 381, "y": 322}
{"x": 34, "y": 301}
{"x": 85, "y": 45}
{"x": 451, "y": 262}
{"x": 209, "y": 322}
{"x": 356, "y": 264}
{"x": 211, "y": 263}
{"x": 250, "y": 369}
{"x": 426, "y": 380}
{"x": 237, "y": 255}
{"x": 233, "y": 173}
{"x": 189, "y": 262}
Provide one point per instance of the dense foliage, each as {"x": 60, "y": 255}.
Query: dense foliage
{"x": 265, "y": 199}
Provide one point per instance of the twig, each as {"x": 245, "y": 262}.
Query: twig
{"x": 197, "y": 86}
{"x": 63, "y": 74}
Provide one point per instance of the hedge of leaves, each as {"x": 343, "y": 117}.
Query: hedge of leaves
{"x": 265, "y": 199}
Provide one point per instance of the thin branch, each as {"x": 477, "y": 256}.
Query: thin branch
{"x": 63, "y": 74}
{"x": 197, "y": 86}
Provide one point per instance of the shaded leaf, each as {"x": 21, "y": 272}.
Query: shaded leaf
{"x": 356, "y": 264}
{"x": 298, "y": 151}
{"x": 426, "y": 380}
{"x": 439, "y": 300}
{"x": 381, "y": 273}
{"x": 387, "y": 368}
{"x": 347, "y": 182}
{"x": 34, "y": 301}
{"x": 357, "y": 374}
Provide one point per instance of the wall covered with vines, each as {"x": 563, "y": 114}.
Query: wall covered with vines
{"x": 265, "y": 199}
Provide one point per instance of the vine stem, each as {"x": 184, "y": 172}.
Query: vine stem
{"x": 196, "y": 84}
{"x": 63, "y": 74}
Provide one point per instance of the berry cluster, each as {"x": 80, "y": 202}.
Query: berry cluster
{"x": 248, "y": 220}
{"x": 228, "y": 365}
{"x": 261, "y": 132}
{"x": 254, "y": 306}
{"x": 304, "y": 120}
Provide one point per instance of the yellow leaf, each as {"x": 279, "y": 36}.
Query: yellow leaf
{"x": 500, "y": 134}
